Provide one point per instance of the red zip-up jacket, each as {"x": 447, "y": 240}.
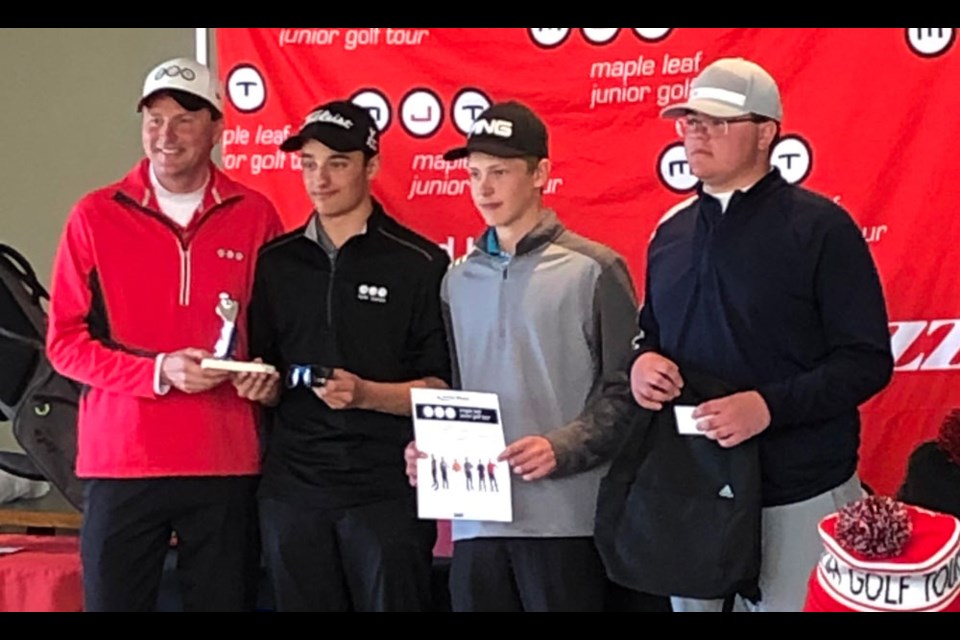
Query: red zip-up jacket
{"x": 129, "y": 284}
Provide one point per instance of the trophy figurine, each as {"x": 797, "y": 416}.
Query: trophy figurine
{"x": 228, "y": 310}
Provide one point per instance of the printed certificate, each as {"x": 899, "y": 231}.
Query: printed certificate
{"x": 462, "y": 435}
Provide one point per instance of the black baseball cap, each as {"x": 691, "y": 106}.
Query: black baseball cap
{"x": 341, "y": 125}
{"x": 506, "y": 130}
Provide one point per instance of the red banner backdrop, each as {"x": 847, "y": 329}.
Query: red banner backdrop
{"x": 870, "y": 120}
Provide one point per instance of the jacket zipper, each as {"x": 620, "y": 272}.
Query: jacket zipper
{"x": 184, "y": 274}
{"x": 502, "y": 330}
{"x": 333, "y": 273}
{"x": 183, "y": 247}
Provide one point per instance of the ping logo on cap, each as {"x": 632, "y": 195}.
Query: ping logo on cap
{"x": 323, "y": 115}
{"x": 495, "y": 127}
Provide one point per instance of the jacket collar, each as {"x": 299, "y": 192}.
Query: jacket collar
{"x": 314, "y": 230}
{"x": 136, "y": 186}
{"x": 767, "y": 183}
{"x": 546, "y": 231}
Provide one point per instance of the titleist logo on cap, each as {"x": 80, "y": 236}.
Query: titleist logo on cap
{"x": 322, "y": 115}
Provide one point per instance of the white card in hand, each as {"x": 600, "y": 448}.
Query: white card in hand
{"x": 686, "y": 423}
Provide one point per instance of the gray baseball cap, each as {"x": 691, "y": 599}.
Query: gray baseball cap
{"x": 728, "y": 88}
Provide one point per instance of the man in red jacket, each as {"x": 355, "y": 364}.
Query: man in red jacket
{"x": 164, "y": 445}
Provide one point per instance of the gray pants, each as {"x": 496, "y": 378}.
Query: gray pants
{"x": 790, "y": 548}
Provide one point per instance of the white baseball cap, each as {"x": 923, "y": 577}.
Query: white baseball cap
{"x": 729, "y": 88}
{"x": 182, "y": 74}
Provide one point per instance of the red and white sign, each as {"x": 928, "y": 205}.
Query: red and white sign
{"x": 870, "y": 121}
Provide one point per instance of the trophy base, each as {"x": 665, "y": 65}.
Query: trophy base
{"x": 237, "y": 366}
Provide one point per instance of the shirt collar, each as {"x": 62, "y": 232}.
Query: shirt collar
{"x": 546, "y": 231}
{"x": 314, "y": 231}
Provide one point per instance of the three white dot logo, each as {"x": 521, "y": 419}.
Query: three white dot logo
{"x": 439, "y": 413}
{"x": 930, "y": 43}
{"x": 229, "y": 254}
{"x": 552, "y": 38}
{"x": 372, "y": 293}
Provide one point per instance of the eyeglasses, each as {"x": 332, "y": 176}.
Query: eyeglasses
{"x": 712, "y": 127}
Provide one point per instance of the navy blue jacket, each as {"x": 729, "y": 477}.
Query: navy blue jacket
{"x": 779, "y": 294}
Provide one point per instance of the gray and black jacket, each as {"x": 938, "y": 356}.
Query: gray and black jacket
{"x": 541, "y": 328}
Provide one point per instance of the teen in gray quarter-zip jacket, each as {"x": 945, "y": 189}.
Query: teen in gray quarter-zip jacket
{"x": 537, "y": 315}
{"x": 541, "y": 329}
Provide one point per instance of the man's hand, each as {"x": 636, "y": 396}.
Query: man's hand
{"x": 344, "y": 390}
{"x": 733, "y": 419}
{"x": 181, "y": 369}
{"x": 654, "y": 380}
{"x": 411, "y": 454}
{"x": 257, "y": 386}
{"x": 530, "y": 457}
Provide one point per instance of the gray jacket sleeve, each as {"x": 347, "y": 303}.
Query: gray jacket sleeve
{"x": 596, "y": 434}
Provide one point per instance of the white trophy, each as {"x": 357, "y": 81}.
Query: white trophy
{"x": 229, "y": 310}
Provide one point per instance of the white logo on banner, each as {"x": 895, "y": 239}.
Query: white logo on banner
{"x": 599, "y": 36}
{"x": 793, "y": 157}
{"x": 421, "y": 113}
{"x": 549, "y": 38}
{"x": 931, "y": 42}
{"x": 675, "y": 170}
{"x": 246, "y": 89}
{"x": 652, "y": 35}
{"x": 468, "y": 104}
{"x": 941, "y": 355}
{"x": 377, "y": 104}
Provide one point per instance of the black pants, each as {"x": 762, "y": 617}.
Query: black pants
{"x": 374, "y": 557}
{"x": 527, "y": 574}
{"x": 127, "y": 524}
